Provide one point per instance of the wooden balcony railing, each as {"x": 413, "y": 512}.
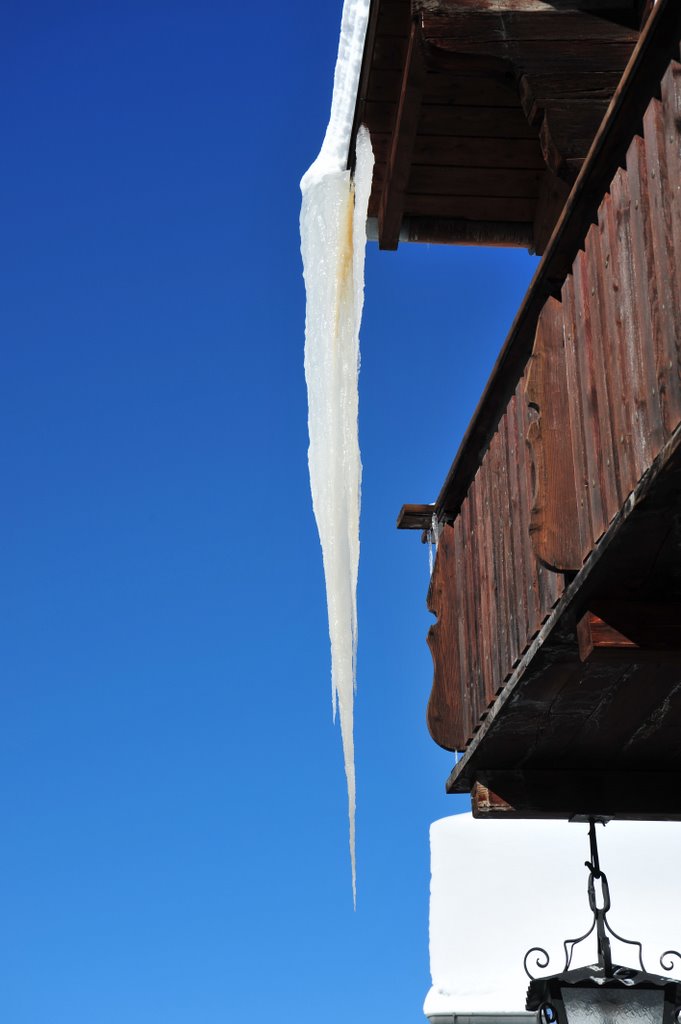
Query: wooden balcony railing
{"x": 598, "y": 401}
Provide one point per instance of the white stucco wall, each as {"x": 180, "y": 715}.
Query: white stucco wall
{"x": 499, "y": 887}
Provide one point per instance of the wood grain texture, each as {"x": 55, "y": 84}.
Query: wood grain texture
{"x": 599, "y": 402}
{"x": 554, "y": 524}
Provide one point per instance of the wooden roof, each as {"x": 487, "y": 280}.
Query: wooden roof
{"x": 482, "y": 111}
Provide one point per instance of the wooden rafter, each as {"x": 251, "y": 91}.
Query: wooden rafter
{"x": 402, "y": 145}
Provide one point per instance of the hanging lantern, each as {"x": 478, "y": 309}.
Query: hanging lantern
{"x": 604, "y": 993}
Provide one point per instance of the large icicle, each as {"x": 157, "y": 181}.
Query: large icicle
{"x": 333, "y": 242}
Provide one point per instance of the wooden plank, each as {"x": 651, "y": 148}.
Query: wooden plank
{"x": 473, "y": 582}
{"x": 511, "y": 556}
{"x": 434, "y": 151}
{"x": 463, "y": 181}
{"x": 490, "y": 90}
{"x": 517, "y": 525}
{"x": 482, "y": 585}
{"x": 388, "y": 53}
{"x": 453, "y": 120}
{"x": 594, "y": 634}
{"x": 486, "y": 804}
{"x": 393, "y": 19}
{"x": 444, "y": 706}
{"x": 662, "y": 194}
{"x": 542, "y": 90}
{"x": 465, "y": 90}
{"x": 488, "y": 494}
{"x": 586, "y": 397}
{"x": 578, "y": 436}
{"x": 462, "y": 151}
{"x": 415, "y": 517}
{"x": 464, "y": 626}
{"x": 567, "y": 57}
{"x": 592, "y": 268}
{"x": 671, "y": 110}
{"x": 621, "y": 408}
{"x": 566, "y": 133}
{"x": 551, "y": 199}
{"x": 648, "y": 625}
{"x": 470, "y": 644}
{"x": 645, "y": 795}
{"x": 457, "y": 231}
{"x": 391, "y": 206}
{"x": 495, "y": 32}
{"x": 444, "y": 8}
{"x": 525, "y": 491}
{"x": 470, "y": 207}
{"x": 554, "y": 521}
{"x": 646, "y": 296}
{"x": 631, "y": 351}
{"x": 494, "y": 462}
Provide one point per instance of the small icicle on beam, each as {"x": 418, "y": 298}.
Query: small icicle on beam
{"x": 333, "y": 242}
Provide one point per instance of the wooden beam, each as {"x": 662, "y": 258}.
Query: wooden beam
{"x": 616, "y": 627}
{"x": 486, "y": 804}
{"x": 633, "y": 795}
{"x": 391, "y": 205}
{"x": 595, "y": 636}
{"x": 446, "y": 7}
{"x": 415, "y": 517}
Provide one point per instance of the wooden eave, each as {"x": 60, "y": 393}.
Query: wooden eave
{"x": 481, "y": 112}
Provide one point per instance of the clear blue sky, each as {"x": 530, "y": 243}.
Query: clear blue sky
{"x": 172, "y": 799}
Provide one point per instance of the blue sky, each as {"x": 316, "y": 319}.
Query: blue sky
{"x": 171, "y": 784}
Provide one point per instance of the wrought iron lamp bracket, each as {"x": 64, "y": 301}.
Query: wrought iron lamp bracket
{"x": 599, "y": 924}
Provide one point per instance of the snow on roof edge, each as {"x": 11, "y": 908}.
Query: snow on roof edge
{"x": 333, "y": 156}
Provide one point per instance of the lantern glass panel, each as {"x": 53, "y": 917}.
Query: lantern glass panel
{"x": 613, "y": 1006}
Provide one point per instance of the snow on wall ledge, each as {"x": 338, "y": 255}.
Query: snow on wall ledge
{"x": 333, "y": 243}
{"x": 500, "y": 887}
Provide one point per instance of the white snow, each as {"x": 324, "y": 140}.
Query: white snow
{"x": 333, "y": 155}
{"x": 501, "y": 887}
{"x": 333, "y": 243}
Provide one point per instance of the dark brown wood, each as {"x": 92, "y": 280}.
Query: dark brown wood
{"x": 577, "y": 433}
{"x": 446, "y": 7}
{"x": 495, "y": 31}
{"x": 593, "y": 634}
{"x": 451, "y": 120}
{"x": 440, "y": 231}
{"x": 611, "y": 732}
{"x": 474, "y": 208}
{"x": 647, "y": 625}
{"x": 551, "y": 199}
{"x": 554, "y": 519}
{"x": 415, "y": 517}
{"x": 587, "y": 397}
{"x": 391, "y": 207}
{"x": 476, "y": 181}
{"x": 447, "y": 699}
{"x": 486, "y": 804}
{"x": 635, "y": 795}
{"x": 661, "y": 243}
{"x": 467, "y": 152}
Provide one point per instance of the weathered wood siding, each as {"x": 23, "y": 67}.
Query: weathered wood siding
{"x": 612, "y": 343}
{"x": 488, "y": 590}
{"x": 558, "y": 471}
